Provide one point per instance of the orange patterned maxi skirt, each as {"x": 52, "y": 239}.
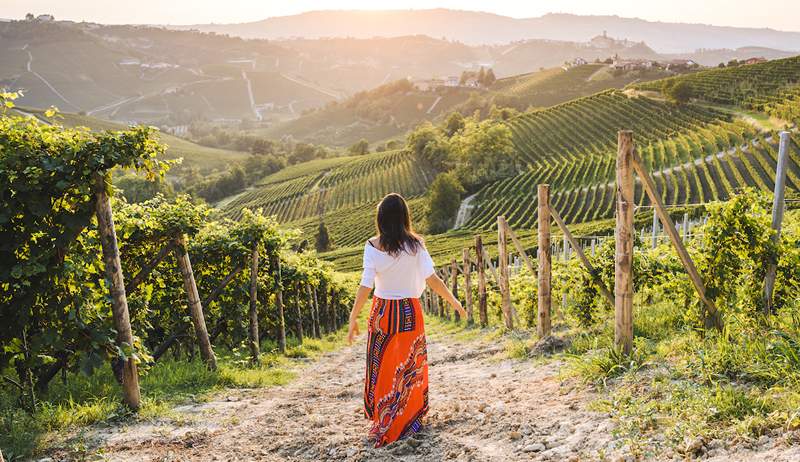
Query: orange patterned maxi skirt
{"x": 396, "y": 382}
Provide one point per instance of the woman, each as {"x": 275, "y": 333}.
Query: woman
{"x": 398, "y": 265}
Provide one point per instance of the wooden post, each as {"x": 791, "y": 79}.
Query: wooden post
{"x": 777, "y": 217}
{"x": 594, "y": 241}
{"x": 299, "y": 311}
{"x": 544, "y": 278}
{"x": 712, "y": 317}
{"x": 565, "y": 248}
{"x": 454, "y": 288}
{"x": 252, "y": 332}
{"x": 685, "y": 228}
{"x": 582, "y": 256}
{"x": 195, "y": 306}
{"x": 116, "y": 282}
{"x": 623, "y": 261}
{"x": 275, "y": 267}
{"x": 467, "y": 285}
{"x": 479, "y": 262}
{"x": 505, "y": 290}
{"x": 312, "y": 301}
{"x": 334, "y": 308}
{"x": 655, "y": 229}
{"x": 437, "y": 310}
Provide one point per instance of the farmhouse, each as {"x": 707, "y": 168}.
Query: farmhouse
{"x": 757, "y": 60}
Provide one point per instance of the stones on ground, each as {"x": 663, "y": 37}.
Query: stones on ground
{"x": 535, "y": 447}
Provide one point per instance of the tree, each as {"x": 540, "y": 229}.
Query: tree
{"x": 360, "y": 148}
{"x": 678, "y": 92}
{"x": 481, "y": 75}
{"x": 489, "y": 78}
{"x": 483, "y": 152}
{"x": 427, "y": 143}
{"x": 444, "y": 200}
{"x": 454, "y": 123}
{"x": 323, "y": 239}
{"x": 29, "y": 17}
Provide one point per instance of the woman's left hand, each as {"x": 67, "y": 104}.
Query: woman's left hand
{"x": 353, "y": 331}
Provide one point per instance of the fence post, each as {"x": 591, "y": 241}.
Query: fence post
{"x": 467, "y": 285}
{"x": 195, "y": 306}
{"x": 544, "y": 262}
{"x": 119, "y": 301}
{"x": 275, "y": 268}
{"x": 253, "y": 312}
{"x": 623, "y": 259}
{"x": 777, "y": 216}
{"x": 481, "y": 264}
{"x": 502, "y": 260}
{"x": 685, "y": 226}
{"x": 454, "y": 277}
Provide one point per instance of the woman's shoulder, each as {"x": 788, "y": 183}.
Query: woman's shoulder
{"x": 373, "y": 243}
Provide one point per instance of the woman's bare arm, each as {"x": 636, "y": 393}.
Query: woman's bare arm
{"x": 438, "y": 286}
{"x": 361, "y": 297}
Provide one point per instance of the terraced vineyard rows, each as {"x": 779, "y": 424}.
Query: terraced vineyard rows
{"x": 710, "y": 175}
{"x": 588, "y": 126}
{"x": 742, "y": 85}
{"x": 351, "y": 184}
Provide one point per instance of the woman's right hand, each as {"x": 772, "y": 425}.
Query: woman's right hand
{"x": 352, "y": 331}
{"x": 457, "y": 306}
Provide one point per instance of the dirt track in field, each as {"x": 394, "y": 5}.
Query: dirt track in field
{"x": 483, "y": 407}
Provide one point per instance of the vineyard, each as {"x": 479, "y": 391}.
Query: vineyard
{"x": 748, "y": 86}
{"x": 333, "y": 187}
{"x": 555, "y": 86}
{"x": 159, "y": 286}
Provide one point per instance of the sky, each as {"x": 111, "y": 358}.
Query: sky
{"x": 776, "y": 14}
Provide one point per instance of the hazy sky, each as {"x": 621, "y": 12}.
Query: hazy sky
{"x": 777, "y": 14}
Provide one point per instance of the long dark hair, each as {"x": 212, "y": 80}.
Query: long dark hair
{"x": 393, "y": 222}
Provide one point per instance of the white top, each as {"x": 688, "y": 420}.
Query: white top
{"x": 397, "y": 277}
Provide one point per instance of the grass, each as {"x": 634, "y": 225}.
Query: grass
{"x": 85, "y": 400}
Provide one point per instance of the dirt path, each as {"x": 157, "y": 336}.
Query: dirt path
{"x": 483, "y": 407}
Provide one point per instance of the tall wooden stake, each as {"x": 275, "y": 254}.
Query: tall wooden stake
{"x": 454, "y": 288}
{"x": 299, "y": 312}
{"x": 195, "y": 306}
{"x": 623, "y": 261}
{"x": 275, "y": 267}
{"x": 655, "y": 229}
{"x": 502, "y": 259}
{"x": 467, "y": 286}
{"x": 777, "y": 217}
{"x": 481, "y": 265}
{"x": 252, "y": 332}
{"x": 119, "y": 301}
{"x": 544, "y": 278}
{"x": 712, "y": 317}
{"x": 314, "y": 305}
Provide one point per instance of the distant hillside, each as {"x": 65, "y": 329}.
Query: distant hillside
{"x": 477, "y": 28}
{"x": 375, "y": 115}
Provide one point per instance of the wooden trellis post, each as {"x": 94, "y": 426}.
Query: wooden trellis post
{"x": 275, "y": 266}
{"x": 253, "y": 312}
{"x": 467, "y": 285}
{"x": 544, "y": 277}
{"x": 502, "y": 259}
{"x": 454, "y": 277}
{"x": 777, "y": 216}
{"x": 623, "y": 260}
{"x": 479, "y": 262}
{"x": 712, "y": 318}
{"x": 312, "y": 302}
{"x": 299, "y": 311}
{"x": 195, "y": 306}
{"x": 119, "y": 301}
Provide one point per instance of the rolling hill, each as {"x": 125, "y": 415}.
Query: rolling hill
{"x": 477, "y": 28}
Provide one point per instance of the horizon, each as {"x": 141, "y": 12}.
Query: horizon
{"x": 714, "y": 13}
